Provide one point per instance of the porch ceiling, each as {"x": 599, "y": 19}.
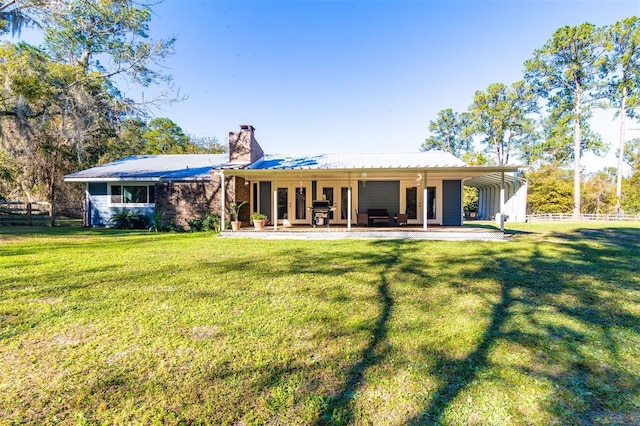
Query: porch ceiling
{"x": 494, "y": 180}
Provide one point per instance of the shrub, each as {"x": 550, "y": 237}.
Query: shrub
{"x": 211, "y": 222}
{"x": 157, "y": 222}
{"x": 128, "y": 220}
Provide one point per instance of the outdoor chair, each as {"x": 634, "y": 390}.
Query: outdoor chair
{"x": 401, "y": 219}
{"x": 362, "y": 219}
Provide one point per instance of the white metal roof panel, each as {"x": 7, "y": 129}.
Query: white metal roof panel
{"x": 494, "y": 180}
{"x": 153, "y": 168}
{"x": 357, "y": 161}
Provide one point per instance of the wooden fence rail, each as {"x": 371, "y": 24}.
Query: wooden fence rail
{"x": 21, "y": 213}
{"x": 37, "y": 213}
{"x": 568, "y": 217}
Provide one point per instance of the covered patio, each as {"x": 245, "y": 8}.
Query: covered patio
{"x": 418, "y": 189}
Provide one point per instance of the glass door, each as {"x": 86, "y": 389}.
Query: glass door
{"x": 283, "y": 203}
{"x": 431, "y": 202}
{"x": 301, "y": 203}
{"x": 344, "y": 202}
{"x": 411, "y": 206}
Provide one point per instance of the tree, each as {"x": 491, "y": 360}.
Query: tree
{"x": 163, "y": 136}
{"x": 623, "y": 65}
{"x": 125, "y": 140}
{"x": 549, "y": 190}
{"x": 449, "y": 132}
{"x": 14, "y": 16}
{"x": 554, "y": 141}
{"x": 598, "y": 193}
{"x": 60, "y": 103}
{"x": 631, "y": 190}
{"x": 86, "y": 32}
{"x": 564, "y": 71}
{"x": 501, "y": 117}
{"x": 207, "y": 145}
{"x": 632, "y": 154}
{"x": 42, "y": 111}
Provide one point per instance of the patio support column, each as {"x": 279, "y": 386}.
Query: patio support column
{"x": 87, "y": 205}
{"x": 223, "y": 197}
{"x": 275, "y": 203}
{"x": 502, "y": 201}
{"x": 425, "y": 194}
{"x": 349, "y": 202}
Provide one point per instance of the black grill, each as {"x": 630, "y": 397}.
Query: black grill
{"x": 320, "y": 213}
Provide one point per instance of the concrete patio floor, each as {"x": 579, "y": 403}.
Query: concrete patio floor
{"x": 414, "y": 232}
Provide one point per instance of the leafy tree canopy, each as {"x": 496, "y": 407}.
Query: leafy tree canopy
{"x": 500, "y": 116}
{"x": 449, "y": 132}
{"x": 631, "y": 190}
{"x": 550, "y": 190}
{"x": 60, "y": 105}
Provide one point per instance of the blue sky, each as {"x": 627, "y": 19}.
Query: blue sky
{"x": 362, "y": 76}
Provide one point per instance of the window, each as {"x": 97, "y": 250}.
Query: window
{"x": 116, "y": 194}
{"x": 133, "y": 194}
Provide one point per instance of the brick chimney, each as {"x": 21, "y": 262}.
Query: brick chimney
{"x": 243, "y": 146}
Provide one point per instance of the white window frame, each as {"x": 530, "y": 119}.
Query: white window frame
{"x": 123, "y": 184}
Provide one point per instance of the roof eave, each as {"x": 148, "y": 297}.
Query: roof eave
{"x": 111, "y": 179}
{"x": 453, "y": 169}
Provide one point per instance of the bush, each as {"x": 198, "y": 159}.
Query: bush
{"x": 157, "y": 222}
{"x": 129, "y": 220}
{"x": 211, "y": 222}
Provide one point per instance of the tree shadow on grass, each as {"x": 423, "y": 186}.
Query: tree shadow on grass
{"x": 339, "y": 407}
{"x": 582, "y": 285}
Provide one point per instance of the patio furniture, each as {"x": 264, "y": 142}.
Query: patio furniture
{"x": 401, "y": 219}
{"x": 378, "y": 216}
{"x": 362, "y": 219}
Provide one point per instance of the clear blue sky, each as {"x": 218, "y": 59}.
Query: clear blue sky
{"x": 361, "y": 76}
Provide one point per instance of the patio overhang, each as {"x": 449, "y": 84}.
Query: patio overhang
{"x": 464, "y": 172}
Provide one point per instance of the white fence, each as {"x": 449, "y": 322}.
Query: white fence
{"x": 568, "y": 217}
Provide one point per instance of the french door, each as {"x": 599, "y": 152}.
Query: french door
{"x": 292, "y": 204}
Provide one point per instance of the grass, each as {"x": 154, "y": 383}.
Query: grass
{"x": 112, "y": 327}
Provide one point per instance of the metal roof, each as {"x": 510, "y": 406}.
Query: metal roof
{"x": 357, "y": 161}
{"x": 494, "y": 180}
{"x": 153, "y": 168}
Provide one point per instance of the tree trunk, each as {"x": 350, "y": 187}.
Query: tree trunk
{"x": 577, "y": 145}
{"x": 623, "y": 112}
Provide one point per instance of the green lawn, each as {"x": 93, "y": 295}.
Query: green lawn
{"x": 104, "y": 326}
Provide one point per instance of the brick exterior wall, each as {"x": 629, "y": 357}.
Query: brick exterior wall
{"x": 184, "y": 201}
{"x": 243, "y": 146}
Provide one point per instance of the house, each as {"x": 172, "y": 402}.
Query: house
{"x": 427, "y": 187}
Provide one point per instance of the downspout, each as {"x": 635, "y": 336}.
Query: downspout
{"x": 349, "y": 202}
